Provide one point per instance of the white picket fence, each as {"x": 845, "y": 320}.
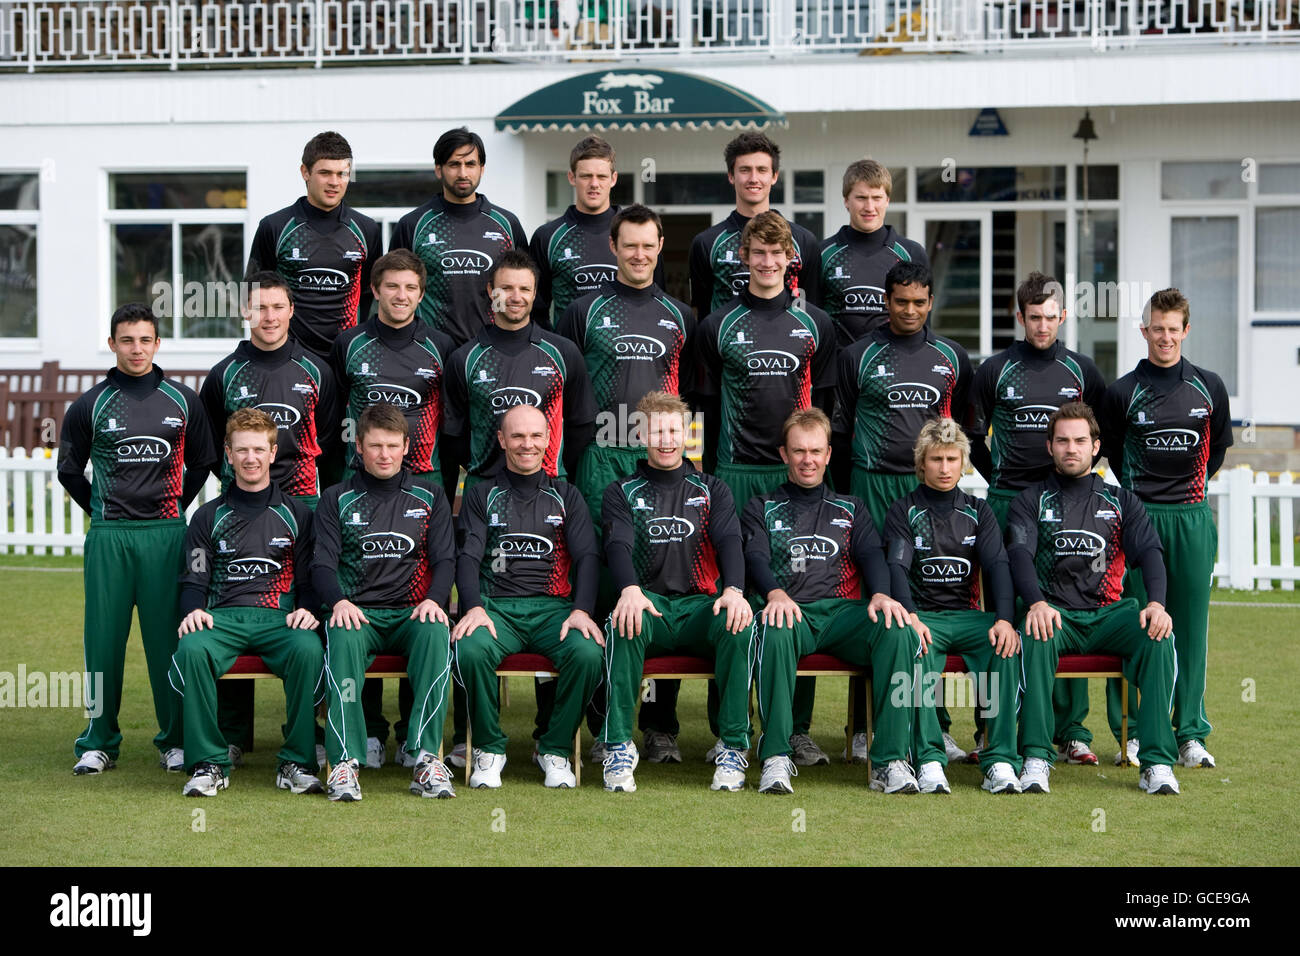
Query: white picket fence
{"x": 38, "y": 517}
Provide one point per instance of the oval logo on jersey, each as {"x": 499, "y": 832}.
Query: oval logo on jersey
{"x": 771, "y": 361}
{"x": 943, "y": 566}
{"x": 813, "y": 546}
{"x": 142, "y": 448}
{"x": 465, "y": 260}
{"x": 252, "y": 567}
{"x": 594, "y": 273}
{"x": 513, "y": 395}
{"x": 913, "y": 393}
{"x": 521, "y": 545}
{"x": 386, "y": 544}
{"x": 398, "y": 395}
{"x": 633, "y": 345}
{"x": 669, "y": 526}
{"x": 1079, "y": 542}
{"x": 284, "y": 416}
{"x": 322, "y": 278}
{"x": 1172, "y": 439}
{"x": 864, "y": 297}
{"x": 1033, "y": 416}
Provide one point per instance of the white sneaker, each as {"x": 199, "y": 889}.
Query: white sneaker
{"x": 457, "y": 756}
{"x": 731, "y": 764}
{"x": 1193, "y": 754}
{"x": 598, "y": 752}
{"x": 806, "y": 752}
{"x": 374, "y": 753}
{"x": 404, "y": 759}
{"x": 431, "y": 777}
{"x": 558, "y": 770}
{"x": 711, "y": 755}
{"x": 894, "y": 777}
{"x": 1078, "y": 752}
{"x": 1131, "y": 751}
{"x": 173, "y": 760}
{"x": 93, "y": 761}
{"x": 953, "y": 750}
{"x": 620, "y": 761}
{"x": 1033, "y": 779}
{"x": 342, "y": 783}
{"x": 292, "y": 777}
{"x": 487, "y": 770}
{"x": 1001, "y": 778}
{"x": 930, "y": 779}
{"x": 777, "y": 772}
{"x": 208, "y": 778}
{"x": 861, "y": 749}
{"x": 1158, "y": 779}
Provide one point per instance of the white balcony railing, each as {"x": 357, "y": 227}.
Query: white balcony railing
{"x": 91, "y": 34}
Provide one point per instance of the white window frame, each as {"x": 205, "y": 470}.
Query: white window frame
{"x": 26, "y": 217}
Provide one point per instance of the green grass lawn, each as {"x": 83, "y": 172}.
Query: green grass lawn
{"x": 1242, "y": 813}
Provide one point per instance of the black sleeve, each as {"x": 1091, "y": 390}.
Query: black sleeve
{"x": 1022, "y": 542}
{"x": 262, "y": 254}
{"x": 303, "y": 547}
{"x": 472, "y": 524}
{"x": 74, "y": 451}
{"x": 518, "y": 238}
{"x": 200, "y": 455}
{"x": 374, "y": 247}
{"x": 329, "y": 411}
{"x": 580, "y": 537}
{"x": 401, "y": 235}
{"x": 916, "y": 251}
{"x": 758, "y": 549}
{"x": 576, "y": 440}
{"x": 701, "y": 278}
{"x": 1094, "y": 386}
{"x": 869, "y": 554}
{"x": 1220, "y": 427}
{"x": 455, "y": 399}
{"x": 810, "y": 269}
{"x": 846, "y": 392}
{"x": 1142, "y": 546}
{"x": 329, "y": 545}
{"x": 194, "y": 580}
{"x": 899, "y": 550}
{"x": 569, "y": 323}
{"x": 724, "y": 532}
{"x": 687, "y": 370}
{"x": 541, "y": 313}
{"x": 214, "y": 408}
{"x": 900, "y": 588}
{"x": 825, "y": 365}
{"x": 1113, "y": 424}
{"x": 579, "y": 409}
{"x": 441, "y": 550}
{"x": 961, "y": 391}
{"x": 616, "y": 523}
{"x": 979, "y": 412}
{"x": 1001, "y": 599}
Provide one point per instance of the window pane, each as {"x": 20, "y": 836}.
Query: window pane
{"x": 1277, "y": 178}
{"x": 680, "y": 189}
{"x": 989, "y": 183}
{"x": 18, "y": 281}
{"x": 1201, "y": 181}
{"x": 624, "y": 191}
{"x": 808, "y": 186}
{"x": 1277, "y": 250}
{"x": 211, "y": 266}
{"x": 812, "y": 221}
{"x": 954, "y": 250}
{"x": 1203, "y": 250}
{"x": 898, "y": 184}
{"x": 19, "y": 191}
{"x": 143, "y": 258}
{"x": 1103, "y": 182}
{"x": 1097, "y": 300}
{"x": 196, "y": 190}
{"x": 398, "y": 188}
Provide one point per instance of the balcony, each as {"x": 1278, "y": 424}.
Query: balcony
{"x": 190, "y": 34}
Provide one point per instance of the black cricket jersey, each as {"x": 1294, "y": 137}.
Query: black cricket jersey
{"x": 249, "y": 549}
{"x": 633, "y": 341}
{"x": 575, "y": 258}
{"x": 941, "y": 541}
{"x": 672, "y": 532}
{"x": 525, "y": 535}
{"x": 1081, "y": 535}
{"x": 383, "y": 542}
{"x": 854, "y": 265}
{"x": 500, "y": 369}
{"x": 717, "y": 273}
{"x": 1161, "y": 427}
{"x": 764, "y": 358}
{"x": 1014, "y": 392}
{"x": 296, "y": 389}
{"x": 326, "y": 258}
{"x": 148, "y": 443}
{"x": 378, "y": 364}
{"x": 890, "y": 385}
{"x": 458, "y": 244}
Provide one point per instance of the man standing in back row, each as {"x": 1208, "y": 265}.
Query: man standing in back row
{"x": 1166, "y": 428}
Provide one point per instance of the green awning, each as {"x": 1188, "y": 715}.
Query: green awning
{"x": 637, "y": 100}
